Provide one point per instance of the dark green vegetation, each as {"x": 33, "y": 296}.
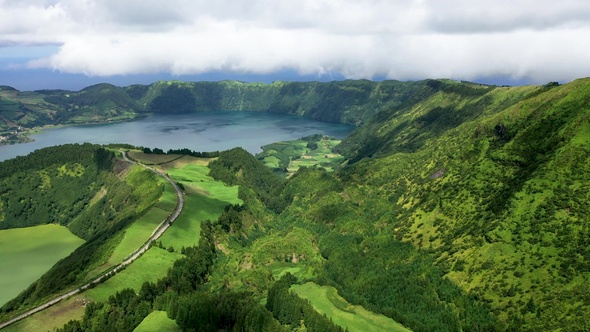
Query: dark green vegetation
{"x": 458, "y": 207}
{"x": 83, "y": 188}
{"x": 350, "y": 102}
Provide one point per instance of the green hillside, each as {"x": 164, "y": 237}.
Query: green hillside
{"x": 492, "y": 186}
{"x": 351, "y": 102}
{"x": 81, "y": 187}
{"x": 453, "y": 207}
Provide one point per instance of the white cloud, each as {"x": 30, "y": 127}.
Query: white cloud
{"x": 537, "y": 40}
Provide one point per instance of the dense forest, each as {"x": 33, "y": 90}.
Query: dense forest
{"x": 459, "y": 207}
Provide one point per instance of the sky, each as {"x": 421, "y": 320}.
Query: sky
{"x": 74, "y": 43}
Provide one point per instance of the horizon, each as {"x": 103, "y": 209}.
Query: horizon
{"x": 47, "y": 80}
{"x": 65, "y": 44}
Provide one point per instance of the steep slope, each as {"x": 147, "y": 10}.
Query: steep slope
{"x": 350, "y": 102}
{"x": 499, "y": 199}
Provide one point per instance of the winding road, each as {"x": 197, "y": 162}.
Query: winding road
{"x": 162, "y": 227}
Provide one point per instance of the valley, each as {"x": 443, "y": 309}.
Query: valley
{"x": 453, "y": 206}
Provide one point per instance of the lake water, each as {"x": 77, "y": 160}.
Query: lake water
{"x": 204, "y": 131}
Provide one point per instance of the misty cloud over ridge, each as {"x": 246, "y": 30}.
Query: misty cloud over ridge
{"x": 538, "y": 41}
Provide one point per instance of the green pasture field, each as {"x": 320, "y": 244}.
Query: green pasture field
{"x": 157, "y": 321}
{"x": 27, "y": 253}
{"x": 136, "y": 235}
{"x": 325, "y": 300}
{"x": 53, "y": 317}
{"x": 138, "y": 232}
{"x": 205, "y": 199}
{"x": 168, "y": 199}
{"x": 151, "y": 266}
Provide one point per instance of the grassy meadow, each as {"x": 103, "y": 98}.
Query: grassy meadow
{"x": 157, "y": 321}
{"x": 205, "y": 199}
{"x": 151, "y": 266}
{"x": 136, "y": 234}
{"x": 27, "y": 253}
{"x": 325, "y": 300}
{"x": 53, "y": 317}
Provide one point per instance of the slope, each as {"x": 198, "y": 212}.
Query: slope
{"x": 499, "y": 199}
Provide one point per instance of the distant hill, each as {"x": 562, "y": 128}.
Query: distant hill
{"x": 351, "y": 102}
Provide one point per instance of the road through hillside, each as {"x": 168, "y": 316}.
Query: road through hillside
{"x": 162, "y": 227}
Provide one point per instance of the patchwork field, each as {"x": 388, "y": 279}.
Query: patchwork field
{"x": 287, "y": 157}
{"x": 27, "y": 253}
{"x": 205, "y": 199}
{"x": 153, "y": 159}
{"x": 325, "y": 300}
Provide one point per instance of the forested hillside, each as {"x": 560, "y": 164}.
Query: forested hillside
{"x": 459, "y": 207}
{"x": 464, "y": 208}
{"x": 350, "y": 102}
{"x": 81, "y": 187}
{"x": 491, "y": 184}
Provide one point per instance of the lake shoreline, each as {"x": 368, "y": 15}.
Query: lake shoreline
{"x": 200, "y": 131}
{"x": 24, "y": 136}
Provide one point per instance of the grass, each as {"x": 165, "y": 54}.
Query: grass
{"x": 325, "y": 300}
{"x": 157, "y": 321}
{"x": 138, "y": 232}
{"x": 27, "y": 253}
{"x": 295, "y": 154}
{"x": 52, "y": 317}
{"x": 168, "y": 199}
{"x": 136, "y": 235}
{"x": 205, "y": 199}
{"x": 152, "y": 266}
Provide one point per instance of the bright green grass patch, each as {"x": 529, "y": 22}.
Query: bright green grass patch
{"x": 27, "y": 253}
{"x": 325, "y": 300}
{"x": 185, "y": 231}
{"x": 196, "y": 176}
{"x": 157, "y": 321}
{"x": 151, "y": 266}
{"x": 168, "y": 199}
{"x": 137, "y": 234}
{"x": 206, "y": 199}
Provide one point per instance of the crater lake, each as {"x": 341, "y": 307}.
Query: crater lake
{"x": 202, "y": 131}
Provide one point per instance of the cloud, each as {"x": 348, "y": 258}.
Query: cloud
{"x": 538, "y": 40}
